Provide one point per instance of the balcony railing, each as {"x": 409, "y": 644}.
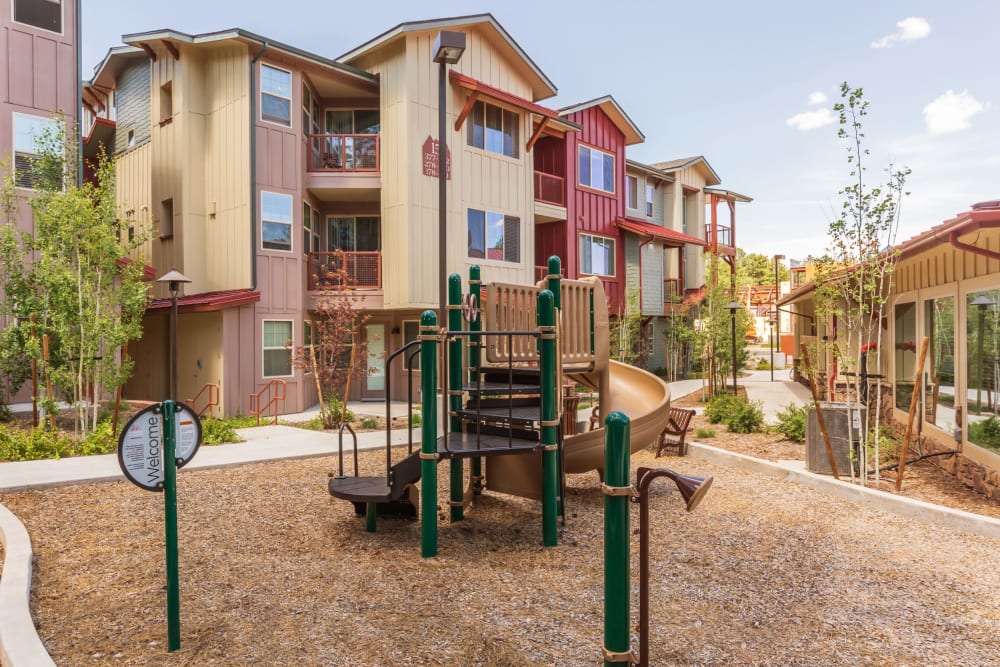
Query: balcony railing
{"x": 672, "y": 292}
{"x": 550, "y": 189}
{"x": 343, "y": 152}
{"x": 340, "y": 270}
{"x": 725, "y": 235}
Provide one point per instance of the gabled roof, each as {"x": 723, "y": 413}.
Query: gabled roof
{"x": 728, "y": 194}
{"x": 113, "y": 61}
{"x": 649, "y": 171}
{"x": 698, "y": 161}
{"x": 541, "y": 86}
{"x": 614, "y": 111}
{"x": 169, "y": 35}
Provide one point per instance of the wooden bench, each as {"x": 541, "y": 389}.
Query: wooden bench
{"x": 674, "y": 432}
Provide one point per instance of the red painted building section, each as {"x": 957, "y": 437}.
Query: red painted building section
{"x": 588, "y": 210}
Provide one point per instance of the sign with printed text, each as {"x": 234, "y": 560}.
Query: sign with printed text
{"x": 140, "y": 445}
{"x": 431, "y": 159}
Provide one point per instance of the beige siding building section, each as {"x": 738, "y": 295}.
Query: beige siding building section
{"x": 132, "y": 191}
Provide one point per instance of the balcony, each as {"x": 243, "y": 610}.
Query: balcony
{"x": 340, "y": 270}
{"x": 724, "y": 239}
{"x": 673, "y": 296}
{"x": 344, "y": 167}
{"x": 550, "y": 197}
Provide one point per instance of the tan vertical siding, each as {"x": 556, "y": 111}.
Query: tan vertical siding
{"x": 132, "y": 191}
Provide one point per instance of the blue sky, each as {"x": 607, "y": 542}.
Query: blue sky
{"x": 744, "y": 84}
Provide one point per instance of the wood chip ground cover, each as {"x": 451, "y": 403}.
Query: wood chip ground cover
{"x": 276, "y": 572}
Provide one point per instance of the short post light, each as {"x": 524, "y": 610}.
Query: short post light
{"x": 732, "y": 307}
{"x": 173, "y": 279}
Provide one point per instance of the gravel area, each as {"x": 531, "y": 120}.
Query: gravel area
{"x": 276, "y": 572}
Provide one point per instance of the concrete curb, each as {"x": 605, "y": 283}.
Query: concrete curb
{"x": 795, "y": 471}
{"x": 19, "y": 641}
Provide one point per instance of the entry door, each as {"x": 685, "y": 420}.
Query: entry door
{"x": 375, "y": 370}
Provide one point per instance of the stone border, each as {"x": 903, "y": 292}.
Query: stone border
{"x": 19, "y": 641}
{"x": 968, "y": 522}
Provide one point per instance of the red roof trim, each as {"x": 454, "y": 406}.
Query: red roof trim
{"x": 475, "y": 85}
{"x": 209, "y": 301}
{"x": 647, "y": 229}
{"x": 148, "y": 272}
{"x": 99, "y": 120}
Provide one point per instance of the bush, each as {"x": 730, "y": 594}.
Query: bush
{"x": 985, "y": 433}
{"x": 369, "y": 422}
{"x": 33, "y": 444}
{"x": 217, "y": 431}
{"x": 720, "y": 406}
{"x": 704, "y": 433}
{"x": 747, "y": 418}
{"x": 763, "y": 364}
{"x": 336, "y": 413}
{"x": 792, "y": 422}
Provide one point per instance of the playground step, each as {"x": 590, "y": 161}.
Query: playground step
{"x": 501, "y": 388}
{"x": 521, "y": 416}
{"x": 464, "y": 445}
{"x": 378, "y": 489}
{"x": 528, "y": 375}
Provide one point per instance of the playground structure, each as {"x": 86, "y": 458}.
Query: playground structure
{"x": 503, "y": 373}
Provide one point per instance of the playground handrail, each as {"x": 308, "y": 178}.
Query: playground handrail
{"x": 409, "y": 399}
{"x": 340, "y": 449}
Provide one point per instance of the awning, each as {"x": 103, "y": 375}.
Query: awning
{"x": 208, "y": 301}
{"x": 668, "y": 236}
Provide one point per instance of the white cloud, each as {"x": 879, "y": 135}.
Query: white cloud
{"x": 817, "y": 98}
{"x": 910, "y": 29}
{"x": 810, "y": 120}
{"x": 951, "y": 112}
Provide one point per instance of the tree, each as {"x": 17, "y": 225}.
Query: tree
{"x": 854, "y": 277}
{"x": 73, "y": 276}
{"x": 716, "y": 331}
{"x": 626, "y": 343}
{"x": 757, "y": 269}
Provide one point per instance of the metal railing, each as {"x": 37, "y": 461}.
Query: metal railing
{"x": 725, "y": 237}
{"x": 212, "y": 399}
{"x": 550, "y": 188}
{"x": 343, "y": 152}
{"x": 275, "y": 390}
{"x": 345, "y": 270}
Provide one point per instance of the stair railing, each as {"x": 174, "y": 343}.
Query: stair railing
{"x": 275, "y": 390}
{"x": 414, "y": 349}
{"x": 213, "y": 399}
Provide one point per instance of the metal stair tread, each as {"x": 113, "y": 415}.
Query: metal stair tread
{"x": 461, "y": 445}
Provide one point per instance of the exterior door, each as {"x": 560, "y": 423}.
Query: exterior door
{"x": 374, "y": 380}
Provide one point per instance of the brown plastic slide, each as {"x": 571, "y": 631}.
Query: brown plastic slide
{"x": 642, "y": 396}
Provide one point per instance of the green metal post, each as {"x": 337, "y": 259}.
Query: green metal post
{"x": 428, "y": 434}
{"x": 168, "y": 412}
{"x": 474, "y": 361}
{"x": 555, "y": 286}
{"x": 616, "y": 536}
{"x": 550, "y": 418}
{"x": 456, "y": 466}
{"x": 371, "y": 516}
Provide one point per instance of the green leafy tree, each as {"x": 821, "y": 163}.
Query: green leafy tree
{"x": 855, "y": 276}
{"x": 716, "y": 331}
{"x": 626, "y": 343}
{"x": 756, "y": 269}
{"x": 72, "y": 274}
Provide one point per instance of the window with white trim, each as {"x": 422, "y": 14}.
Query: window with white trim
{"x": 632, "y": 192}
{"x": 649, "y": 199}
{"x": 278, "y": 348}
{"x": 597, "y": 255}
{"x": 44, "y": 14}
{"x": 493, "y": 129}
{"x": 276, "y": 221}
{"x": 494, "y": 236}
{"x": 597, "y": 169}
{"x": 275, "y": 95}
{"x": 32, "y": 136}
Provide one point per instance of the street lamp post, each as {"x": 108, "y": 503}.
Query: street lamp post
{"x": 981, "y": 302}
{"x": 732, "y": 307}
{"x": 173, "y": 279}
{"x": 775, "y": 322}
{"x": 448, "y": 49}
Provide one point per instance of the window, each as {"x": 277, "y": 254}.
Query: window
{"x": 357, "y": 152}
{"x": 307, "y": 231}
{"x": 982, "y": 331}
{"x": 34, "y": 135}
{"x": 353, "y": 121}
{"x": 131, "y": 138}
{"x": 597, "y": 169}
{"x": 939, "y": 326}
{"x": 597, "y": 255}
{"x": 277, "y": 348}
{"x": 275, "y": 95}
{"x": 905, "y": 352}
{"x": 276, "y": 221}
{"x": 493, "y": 129}
{"x": 494, "y": 236}
{"x": 307, "y": 341}
{"x": 411, "y": 331}
{"x": 354, "y": 234}
{"x": 166, "y": 102}
{"x": 649, "y": 199}
{"x": 684, "y": 213}
{"x": 167, "y": 218}
{"x": 632, "y": 192}
{"x": 306, "y": 109}
{"x": 44, "y": 14}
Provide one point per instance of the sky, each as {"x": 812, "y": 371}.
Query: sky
{"x": 748, "y": 85}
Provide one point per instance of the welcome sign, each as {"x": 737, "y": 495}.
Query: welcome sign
{"x": 140, "y": 445}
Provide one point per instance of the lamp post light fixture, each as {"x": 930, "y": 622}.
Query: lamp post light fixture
{"x": 775, "y": 322}
{"x": 981, "y": 302}
{"x": 173, "y": 279}
{"x": 732, "y": 307}
{"x": 772, "y": 321}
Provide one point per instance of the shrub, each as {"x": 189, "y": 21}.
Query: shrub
{"x": 704, "y": 433}
{"x": 415, "y": 420}
{"x": 720, "y": 406}
{"x": 985, "y": 433}
{"x": 369, "y": 422}
{"x": 746, "y": 418}
{"x": 337, "y": 412}
{"x": 217, "y": 431}
{"x": 763, "y": 364}
{"x": 36, "y": 443}
{"x": 101, "y": 440}
{"x": 792, "y": 422}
